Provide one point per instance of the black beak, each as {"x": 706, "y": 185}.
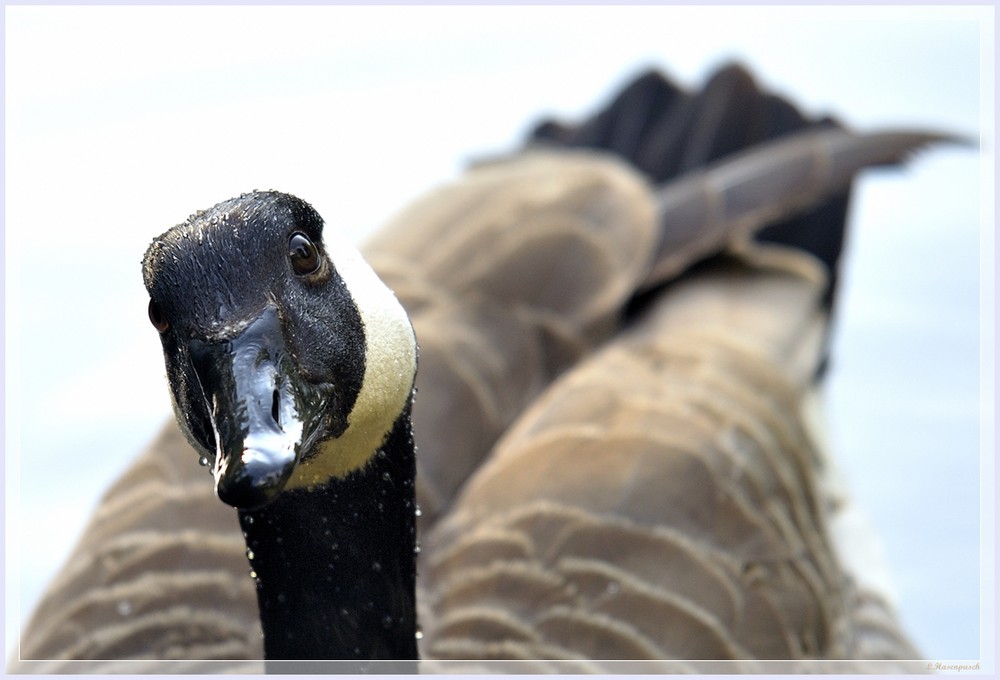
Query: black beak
{"x": 257, "y": 410}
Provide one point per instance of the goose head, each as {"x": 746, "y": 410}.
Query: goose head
{"x": 288, "y": 360}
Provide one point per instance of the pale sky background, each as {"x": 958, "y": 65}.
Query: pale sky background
{"x": 121, "y": 121}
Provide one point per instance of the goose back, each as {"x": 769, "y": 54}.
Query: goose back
{"x": 662, "y": 500}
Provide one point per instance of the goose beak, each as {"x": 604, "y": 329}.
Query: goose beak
{"x": 257, "y": 408}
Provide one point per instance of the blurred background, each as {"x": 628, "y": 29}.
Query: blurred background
{"x": 121, "y": 121}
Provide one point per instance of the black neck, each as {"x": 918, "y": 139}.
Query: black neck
{"x": 335, "y": 565}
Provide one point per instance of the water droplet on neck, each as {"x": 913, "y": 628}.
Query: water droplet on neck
{"x": 249, "y": 554}
{"x": 124, "y": 608}
{"x": 419, "y": 634}
{"x": 203, "y": 461}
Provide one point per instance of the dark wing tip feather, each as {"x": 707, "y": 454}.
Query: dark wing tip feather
{"x": 667, "y": 133}
{"x": 815, "y": 220}
{"x": 895, "y": 147}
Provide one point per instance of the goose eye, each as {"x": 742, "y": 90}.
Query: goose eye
{"x": 156, "y": 316}
{"x": 303, "y": 254}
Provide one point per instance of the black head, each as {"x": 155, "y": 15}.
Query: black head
{"x": 276, "y": 345}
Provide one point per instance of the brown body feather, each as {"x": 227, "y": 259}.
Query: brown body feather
{"x": 661, "y": 500}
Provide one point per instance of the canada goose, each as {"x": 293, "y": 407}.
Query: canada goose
{"x": 775, "y": 504}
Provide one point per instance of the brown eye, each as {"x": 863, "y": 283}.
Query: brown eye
{"x": 156, "y": 316}
{"x": 303, "y": 254}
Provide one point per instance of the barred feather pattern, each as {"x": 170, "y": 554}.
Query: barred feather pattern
{"x": 661, "y": 501}
{"x": 509, "y": 277}
{"x": 158, "y": 579}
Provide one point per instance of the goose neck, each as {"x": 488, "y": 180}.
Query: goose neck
{"x": 335, "y": 564}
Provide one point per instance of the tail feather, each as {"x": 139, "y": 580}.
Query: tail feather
{"x": 666, "y": 132}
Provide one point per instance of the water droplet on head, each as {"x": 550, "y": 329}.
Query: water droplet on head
{"x": 203, "y": 461}
{"x": 377, "y": 566}
{"x": 419, "y": 634}
{"x": 613, "y": 588}
{"x": 124, "y": 608}
{"x": 418, "y": 512}
{"x": 416, "y": 548}
{"x": 387, "y": 621}
{"x": 249, "y": 554}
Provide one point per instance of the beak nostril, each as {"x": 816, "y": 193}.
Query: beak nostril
{"x": 275, "y": 398}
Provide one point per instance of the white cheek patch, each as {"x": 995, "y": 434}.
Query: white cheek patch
{"x": 390, "y": 368}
